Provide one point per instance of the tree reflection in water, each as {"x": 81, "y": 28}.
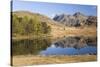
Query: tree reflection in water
{"x": 65, "y": 46}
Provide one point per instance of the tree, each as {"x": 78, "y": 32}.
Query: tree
{"x": 26, "y": 25}
{"x": 15, "y": 24}
{"x": 37, "y": 25}
{"x": 45, "y": 28}
{"x": 29, "y": 28}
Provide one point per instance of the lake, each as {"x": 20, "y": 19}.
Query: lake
{"x": 68, "y": 45}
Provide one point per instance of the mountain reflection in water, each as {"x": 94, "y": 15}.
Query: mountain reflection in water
{"x": 75, "y": 45}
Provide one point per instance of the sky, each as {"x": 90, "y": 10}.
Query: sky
{"x": 52, "y": 9}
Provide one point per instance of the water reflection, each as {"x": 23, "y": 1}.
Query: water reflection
{"x": 69, "y": 51}
{"x": 65, "y": 46}
{"x": 29, "y": 46}
{"x": 76, "y": 42}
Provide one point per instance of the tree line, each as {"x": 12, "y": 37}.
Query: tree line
{"x": 25, "y": 26}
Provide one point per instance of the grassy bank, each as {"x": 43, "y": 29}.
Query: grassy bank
{"x": 19, "y": 37}
{"x": 60, "y": 32}
{"x": 71, "y": 31}
{"x": 37, "y": 60}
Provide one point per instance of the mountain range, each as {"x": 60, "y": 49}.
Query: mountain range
{"x": 77, "y": 19}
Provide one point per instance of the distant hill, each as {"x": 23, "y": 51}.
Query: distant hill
{"x": 77, "y": 19}
{"x": 41, "y": 18}
{"x": 24, "y": 22}
{"x": 27, "y": 23}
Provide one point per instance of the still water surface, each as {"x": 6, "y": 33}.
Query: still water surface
{"x": 72, "y": 45}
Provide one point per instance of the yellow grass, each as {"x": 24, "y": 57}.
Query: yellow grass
{"x": 37, "y": 60}
{"x": 71, "y": 31}
{"x": 59, "y": 32}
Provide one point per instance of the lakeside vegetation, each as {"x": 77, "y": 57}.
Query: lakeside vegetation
{"x": 28, "y": 26}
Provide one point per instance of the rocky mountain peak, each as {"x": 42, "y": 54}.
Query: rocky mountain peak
{"x": 78, "y": 14}
{"x": 77, "y": 19}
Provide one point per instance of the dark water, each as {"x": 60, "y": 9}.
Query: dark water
{"x": 65, "y": 46}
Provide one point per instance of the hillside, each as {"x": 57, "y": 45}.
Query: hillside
{"x": 30, "y": 24}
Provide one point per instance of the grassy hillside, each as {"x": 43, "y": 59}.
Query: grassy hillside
{"x": 26, "y": 24}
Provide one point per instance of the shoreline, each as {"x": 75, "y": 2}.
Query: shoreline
{"x": 59, "y": 33}
{"x": 22, "y": 60}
